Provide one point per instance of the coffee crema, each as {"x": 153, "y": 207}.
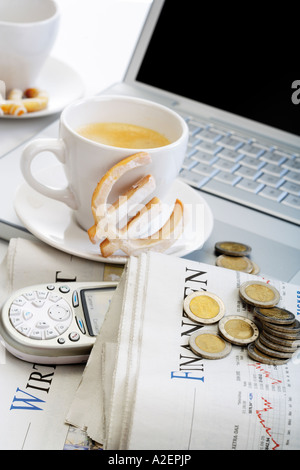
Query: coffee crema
{"x": 123, "y": 135}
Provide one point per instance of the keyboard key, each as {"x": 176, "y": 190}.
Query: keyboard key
{"x": 196, "y": 125}
{"x": 188, "y": 163}
{"x": 284, "y": 153}
{"x": 249, "y": 185}
{"x": 193, "y": 141}
{"x": 193, "y": 128}
{"x": 292, "y": 188}
{"x": 270, "y": 180}
{"x": 209, "y": 135}
{"x": 247, "y": 172}
{"x": 230, "y": 142}
{"x": 272, "y": 157}
{"x": 253, "y": 150}
{"x": 293, "y": 165}
{"x": 272, "y": 193}
{"x": 209, "y": 147}
{"x": 293, "y": 201}
{"x": 193, "y": 178}
{"x": 206, "y": 170}
{"x": 230, "y": 155}
{"x": 228, "y": 178}
{"x": 202, "y": 157}
{"x": 225, "y": 165}
{"x": 292, "y": 176}
{"x": 252, "y": 162}
{"x": 274, "y": 169}
{"x": 190, "y": 151}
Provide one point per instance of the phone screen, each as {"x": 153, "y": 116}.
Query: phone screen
{"x": 95, "y": 303}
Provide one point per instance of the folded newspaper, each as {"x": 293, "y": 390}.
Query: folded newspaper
{"x": 154, "y": 393}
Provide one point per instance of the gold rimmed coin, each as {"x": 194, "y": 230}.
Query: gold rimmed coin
{"x": 209, "y": 345}
{"x": 258, "y": 356}
{"x": 292, "y": 328}
{"x": 255, "y": 269}
{"x": 259, "y": 294}
{"x": 284, "y": 335}
{"x": 238, "y": 330}
{"x": 267, "y": 341}
{"x": 232, "y": 248}
{"x": 272, "y": 352}
{"x": 204, "y": 307}
{"x": 237, "y": 263}
{"x": 275, "y": 315}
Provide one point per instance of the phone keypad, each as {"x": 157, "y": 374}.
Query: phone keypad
{"x": 42, "y": 314}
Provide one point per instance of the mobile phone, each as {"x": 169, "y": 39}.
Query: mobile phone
{"x": 55, "y": 323}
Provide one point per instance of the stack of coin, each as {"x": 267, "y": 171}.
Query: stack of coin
{"x": 280, "y": 332}
{"x": 234, "y": 255}
{"x": 279, "y": 337}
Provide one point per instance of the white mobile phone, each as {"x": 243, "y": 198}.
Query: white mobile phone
{"x": 55, "y": 323}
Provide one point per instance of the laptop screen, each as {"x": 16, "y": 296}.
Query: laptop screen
{"x": 242, "y": 59}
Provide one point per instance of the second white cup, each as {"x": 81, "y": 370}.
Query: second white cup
{"x": 28, "y": 29}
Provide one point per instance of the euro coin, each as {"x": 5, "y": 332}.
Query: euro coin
{"x": 275, "y": 315}
{"x": 209, "y": 345}
{"x": 238, "y": 330}
{"x": 232, "y": 248}
{"x": 204, "y": 307}
{"x": 280, "y": 336}
{"x": 255, "y": 269}
{"x": 277, "y": 342}
{"x": 290, "y": 329}
{"x": 237, "y": 263}
{"x": 272, "y": 352}
{"x": 267, "y": 341}
{"x": 259, "y": 294}
{"x": 258, "y": 356}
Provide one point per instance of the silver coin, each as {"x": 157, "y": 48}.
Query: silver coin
{"x": 258, "y": 356}
{"x": 272, "y": 352}
{"x": 267, "y": 341}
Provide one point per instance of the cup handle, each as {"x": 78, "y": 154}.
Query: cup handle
{"x": 57, "y": 147}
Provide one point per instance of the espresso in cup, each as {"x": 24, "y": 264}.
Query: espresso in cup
{"x": 123, "y": 135}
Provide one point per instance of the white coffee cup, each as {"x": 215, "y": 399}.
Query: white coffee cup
{"x": 86, "y": 161}
{"x": 28, "y": 29}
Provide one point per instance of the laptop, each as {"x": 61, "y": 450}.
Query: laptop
{"x": 232, "y": 76}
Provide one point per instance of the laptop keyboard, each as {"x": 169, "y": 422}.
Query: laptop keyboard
{"x": 242, "y": 170}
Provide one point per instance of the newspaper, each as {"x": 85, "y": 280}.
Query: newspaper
{"x": 34, "y": 398}
{"x": 161, "y": 395}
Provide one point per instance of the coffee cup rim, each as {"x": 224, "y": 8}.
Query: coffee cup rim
{"x": 82, "y": 101}
{"x": 27, "y": 24}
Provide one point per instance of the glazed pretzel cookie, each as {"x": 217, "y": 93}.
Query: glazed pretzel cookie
{"x": 105, "y": 226}
{"x": 19, "y": 103}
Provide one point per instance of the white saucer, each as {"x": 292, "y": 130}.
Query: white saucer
{"x": 53, "y": 223}
{"x": 63, "y": 85}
